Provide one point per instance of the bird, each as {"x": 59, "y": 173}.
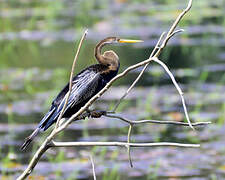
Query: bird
{"x": 85, "y": 85}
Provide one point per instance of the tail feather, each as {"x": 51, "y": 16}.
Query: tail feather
{"x": 48, "y": 119}
{"x": 30, "y": 138}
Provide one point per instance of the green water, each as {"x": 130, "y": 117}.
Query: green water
{"x": 38, "y": 40}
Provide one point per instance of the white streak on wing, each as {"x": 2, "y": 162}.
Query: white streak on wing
{"x": 79, "y": 89}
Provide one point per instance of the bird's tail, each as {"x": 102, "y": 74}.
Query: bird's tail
{"x": 30, "y": 138}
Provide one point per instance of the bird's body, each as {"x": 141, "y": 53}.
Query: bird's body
{"x": 85, "y": 85}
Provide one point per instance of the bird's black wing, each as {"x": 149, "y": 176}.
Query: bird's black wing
{"x": 84, "y": 87}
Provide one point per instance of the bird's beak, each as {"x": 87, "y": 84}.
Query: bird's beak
{"x": 129, "y": 41}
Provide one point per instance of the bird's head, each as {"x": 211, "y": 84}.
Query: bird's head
{"x": 110, "y": 58}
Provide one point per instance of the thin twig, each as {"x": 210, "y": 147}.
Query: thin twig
{"x": 156, "y": 121}
{"x": 178, "y": 89}
{"x": 128, "y": 147}
{"x": 144, "y": 68}
{"x": 111, "y": 114}
{"x": 93, "y": 167}
{"x": 175, "y": 32}
{"x": 139, "y": 76}
{"x": 71, "y": 78}
{"x": 122, "y": 144}
{"x": 133, "y": 122}
{"x": 173, "y": 27}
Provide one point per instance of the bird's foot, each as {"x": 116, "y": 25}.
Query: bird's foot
{"x": 97, "y": 113}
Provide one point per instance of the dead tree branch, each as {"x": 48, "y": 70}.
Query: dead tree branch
{"x": 60, "y": 126}
{"x": 93, "y": 167}
{"x": 169, "y": 35}
{"x": 71, "y": 78}
{"x": 120, "y": 144}
{"x": 44, "y": 146}
{"x": 156, "y": 121}
{"x": 140, "y": 75}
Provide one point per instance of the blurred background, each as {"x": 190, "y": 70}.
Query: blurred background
{"x": 38, "y": 40}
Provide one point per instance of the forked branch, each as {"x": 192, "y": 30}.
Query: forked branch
{"x": 60, "y": 126}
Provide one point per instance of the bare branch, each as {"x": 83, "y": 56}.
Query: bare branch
{"x": 153, "y": 57}
{"x": 134, "y": 122}
{"x": 44, "y": 145}
{"x": 93, "y": 167}
{"x": 178, "y": 89}
{"x": 34, "y": 160}
{"x": 71, "y": 79}
{"x": 139, "y": 76}
{"x": 170, "y": 34}
{"x": 173, "y": 27}
{"x": 128, "y": 147}
{"x": 174, "y": 33}
{"x": 156, "y": 121}
{"x": 121, "y": 144}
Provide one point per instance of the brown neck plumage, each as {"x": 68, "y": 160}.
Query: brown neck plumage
{"x": 98, "y": 54}
{"x": 109, "y": 58}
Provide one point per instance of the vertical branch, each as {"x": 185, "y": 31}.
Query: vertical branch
{"x": 128, "y": 147}
{"x": 93, "y": 167}
{"x": 71, "y": 79}
{"x": 44, "y": 145}
{"x": 173, "y": 27}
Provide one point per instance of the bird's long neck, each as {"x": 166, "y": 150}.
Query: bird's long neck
{"x": 98, "y": 54}
{"x": 108, "y": 58}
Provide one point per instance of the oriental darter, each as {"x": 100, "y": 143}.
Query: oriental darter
{"x": 85, "y": 85}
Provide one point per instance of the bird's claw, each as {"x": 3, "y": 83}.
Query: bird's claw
{"x": 97, "y": 113}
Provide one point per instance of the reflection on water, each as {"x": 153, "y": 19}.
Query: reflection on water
{"x": 37, "y": 49}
